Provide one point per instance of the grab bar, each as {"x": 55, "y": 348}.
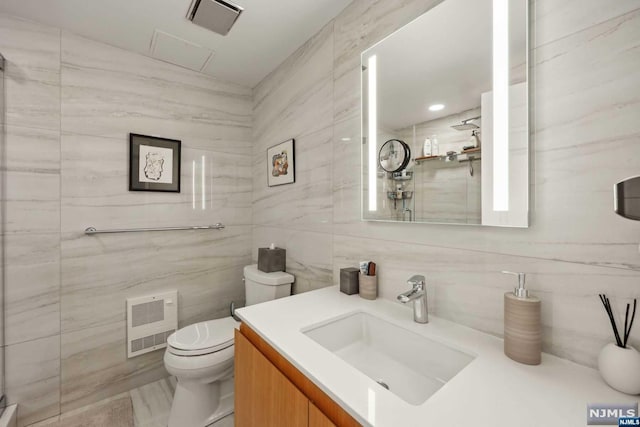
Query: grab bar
{"x": 93, "y": 230}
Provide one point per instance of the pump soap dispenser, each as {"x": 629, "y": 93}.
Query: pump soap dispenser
{"x": 522, "y": 325}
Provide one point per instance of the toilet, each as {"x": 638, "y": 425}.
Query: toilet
{"x": 200, "y": 356}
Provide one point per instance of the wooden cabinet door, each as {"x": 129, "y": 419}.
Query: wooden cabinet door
{"x": 317, "y": 418}
{"x": 264, "y": 397}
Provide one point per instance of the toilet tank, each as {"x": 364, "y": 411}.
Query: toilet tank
{"x": 260, "y": 286}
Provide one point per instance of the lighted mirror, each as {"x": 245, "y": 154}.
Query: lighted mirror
{"x": 451, "y": 86}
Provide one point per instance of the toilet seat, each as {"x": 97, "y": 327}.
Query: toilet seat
{"x": 202, "y": 338}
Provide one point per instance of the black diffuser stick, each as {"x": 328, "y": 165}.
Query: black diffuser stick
{"x": 607, "y": 307}
{"x": 626, "y": 319}
{"x": 613, "y": 322}
{"x": 603, "y": 298}
{"x": 627, "y": 332}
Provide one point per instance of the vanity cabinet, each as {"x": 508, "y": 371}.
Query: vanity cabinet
{"x": 271, "y": 392}
{"x": 263, "y": 396}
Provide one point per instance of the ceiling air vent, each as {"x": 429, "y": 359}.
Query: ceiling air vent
{"x": 215, "y": 15}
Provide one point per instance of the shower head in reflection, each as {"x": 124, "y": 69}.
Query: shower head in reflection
{"x": 467, "y": 125}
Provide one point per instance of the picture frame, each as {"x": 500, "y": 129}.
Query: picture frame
{"x": 281, "y": 167}
{"x": 154, "y": 163}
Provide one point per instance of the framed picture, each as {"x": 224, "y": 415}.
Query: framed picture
{"x": 154, "y": 163}
{"x": 281, "y": 166}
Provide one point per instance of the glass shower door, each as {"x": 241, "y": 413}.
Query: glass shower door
{"x": 2, "y": 197}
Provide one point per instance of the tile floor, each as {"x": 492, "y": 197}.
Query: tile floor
{"x": 151, "y": 406}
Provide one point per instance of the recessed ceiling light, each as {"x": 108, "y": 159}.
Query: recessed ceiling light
{"x": 345, "y": 139}
{"x": 436, "y": 107}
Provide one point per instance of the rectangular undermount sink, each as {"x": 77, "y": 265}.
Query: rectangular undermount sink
{"x": 411, "y": 366}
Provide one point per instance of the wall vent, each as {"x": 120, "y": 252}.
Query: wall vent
{"x": 150, "y": 321}
{"x": 215, "y": 15}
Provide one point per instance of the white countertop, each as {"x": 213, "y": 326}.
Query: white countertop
{"x": 492, "y": 390}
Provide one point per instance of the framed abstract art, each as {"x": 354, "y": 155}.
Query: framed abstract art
{"x": 154, "y": 163}
{"x": 281, "y": 164}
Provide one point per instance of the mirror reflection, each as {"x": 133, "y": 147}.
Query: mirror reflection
{"x": 449, "y": 90}
{"x": 394, "y": 156}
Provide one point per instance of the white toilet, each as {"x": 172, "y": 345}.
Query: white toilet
{"x": 200, "y": 356}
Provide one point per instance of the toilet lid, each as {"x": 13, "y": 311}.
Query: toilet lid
{"x": 204, "y": 337}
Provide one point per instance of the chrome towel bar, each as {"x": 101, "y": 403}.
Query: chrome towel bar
{"x": 93, "y": 230}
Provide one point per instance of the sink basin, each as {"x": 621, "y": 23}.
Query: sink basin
{"x": 407, "y": 364}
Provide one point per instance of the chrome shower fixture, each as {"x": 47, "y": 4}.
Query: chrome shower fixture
{"x": 467, "y": 125}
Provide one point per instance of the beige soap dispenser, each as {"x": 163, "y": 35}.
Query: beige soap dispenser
{"x": 522, "y": 325}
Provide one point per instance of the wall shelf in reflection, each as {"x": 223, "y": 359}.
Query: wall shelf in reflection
{"x": 463, "y": 156}
{"x": 393, "y": 195}
{"x": 471, "y": 150}
{"x": 419, "y": 160}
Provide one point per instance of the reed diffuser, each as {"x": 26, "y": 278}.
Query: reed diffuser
{"x": 619, "y": 363}
{"x": 628, "y": 323}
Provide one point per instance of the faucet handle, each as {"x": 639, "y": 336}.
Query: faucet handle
{"x": 416, "y": 280}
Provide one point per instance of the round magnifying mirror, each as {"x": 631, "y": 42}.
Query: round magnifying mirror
{"x": 394, "y": 155}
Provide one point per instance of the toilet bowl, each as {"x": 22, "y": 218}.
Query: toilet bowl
{"x": 200, "y": 356}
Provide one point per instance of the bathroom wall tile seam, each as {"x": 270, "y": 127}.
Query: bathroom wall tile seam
{"x": 578, "y": 30}
{"x": 167, "y": 65}
{"x": 293, "y": 63}
{"x": 301, "y": 94}
{"x": 463, "y": 249}
{"x": 262, "y": 150}
{"x": 37, "y": 338}
{"x": 115, "y": 321}
{"x": 119, "y": 73}
{"x": 261, "y": 139}
{"x": 43, "y": 170}
{"x": 185, "y": 144}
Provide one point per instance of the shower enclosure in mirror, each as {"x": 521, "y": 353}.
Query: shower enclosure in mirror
{"x": 452, "y": 88}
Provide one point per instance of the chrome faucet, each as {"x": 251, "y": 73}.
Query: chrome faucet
{"x": 417, "y": 294}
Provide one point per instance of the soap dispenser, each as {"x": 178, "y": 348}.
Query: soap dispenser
{"x": 522, "y": 324}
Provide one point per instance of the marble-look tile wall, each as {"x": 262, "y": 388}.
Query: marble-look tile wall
{"x": 31, "y": 218}
{"x": 584, "y": 74}
{"x": 297, "y": 101}
{"x": 70, "y": 105}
